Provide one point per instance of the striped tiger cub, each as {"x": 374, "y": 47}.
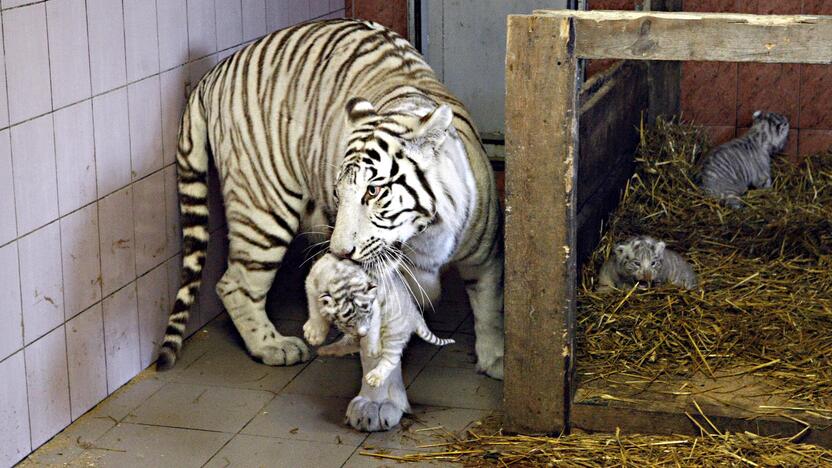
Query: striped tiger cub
{"x": 731, "y": 168}
{"x": 336, "y": 120}
{"x": 644, "y": 259}
{"x": 379, "y": 319}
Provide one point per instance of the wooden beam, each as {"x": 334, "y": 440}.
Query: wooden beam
{"x": 725, "y": 37}
{"x": 664, "y": 78}
{"x": 540, "y": 282}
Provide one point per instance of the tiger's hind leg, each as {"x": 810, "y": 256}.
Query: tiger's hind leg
{"x": 484, "y": 285}
{"x": 256, "y": 250}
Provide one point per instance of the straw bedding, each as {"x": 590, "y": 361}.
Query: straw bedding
{"x": 764, "y": 305}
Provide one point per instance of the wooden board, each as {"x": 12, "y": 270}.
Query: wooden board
{"x": 540, "y": 278}
{"x": 612, "y": 106}
{"x": 724, "y": 37}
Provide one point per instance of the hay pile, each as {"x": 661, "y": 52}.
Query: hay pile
{"x": 485, "y": 446}
{"x": 764, "y": 305}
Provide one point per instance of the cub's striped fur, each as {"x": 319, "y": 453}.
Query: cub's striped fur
{"x": 338, "y": 117}
{"x": 383, "y": 318}
{"x": 644, "y": 259}
{"x": 744, "y": 162}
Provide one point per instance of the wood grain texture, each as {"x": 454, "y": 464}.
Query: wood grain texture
{"x": 726, "y": 37}
{"x": 541, "y": 142}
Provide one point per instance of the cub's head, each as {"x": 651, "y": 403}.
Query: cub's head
{"x": 640, "y": 258}
{"x": 774, "y": 126}
{"x": 346, "y": 294}
{"x": 383, "y": 190}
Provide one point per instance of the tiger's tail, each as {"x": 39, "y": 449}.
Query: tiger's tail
{"x": 192, "y": 156}
{"x": 424, "y": 333}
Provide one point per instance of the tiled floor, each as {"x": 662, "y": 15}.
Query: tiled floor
{"x": 219, "y": 408}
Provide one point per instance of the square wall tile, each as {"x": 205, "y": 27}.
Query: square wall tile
{"x": 336, "y": 5}
{"x": 8, "y": 218}
{"x": 68, "y": 53}
{"x": 85, "y": 354}
{"x": 11, "y": 312}
{"x": 153, "y": 312}
{"x": 41, "y": 282}
{"x": 81, "y": 260}
{"x": 112, "y": 141}
{"x": 173, "y": 37}
{"x": 121, "y": 337}
{"x": 715, "y": 103}
{"x": 769, "y": 7}
{"x": 15, "y": 3}
{"x": 14, "y": 412}
{"x": 75, "y": 156}
{"x": 817, "y": 7}
{"x": 118, "y": 247}
{"x": 768, "y": 87}
{"x": 815, "y": 141}
{"x": 815, "y": 85}
{"x": 254, "y": 19}
{"x": 174, "y": 229}
{"x": 717, "y": 6}
{"x": 145, "y": 109}
{"x": 106, "y": 36}
{"x": 298, "y": 11}
{"x": 318, "y": 8}
{"x": 229, "y": 23}
{"x": 277, "y": 15}
{"x": 720, "y": 135}
{"x": 149, "y": 221}
{"x": 202, "y": 28}
{"x": 33, "y": 159}
{"x": 27, "y": 62}
{"x": 48, "y": 386}
{"x": 173, "y": 84}
{"x": 4, "y": 103}
{"x": 141, "y": 39}
{"x": 200, "y": 67}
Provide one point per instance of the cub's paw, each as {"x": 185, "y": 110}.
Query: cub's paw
{"x": 374, "y": 378}
{"x": 315, "y": 331}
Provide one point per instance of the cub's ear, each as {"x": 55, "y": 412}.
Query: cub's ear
{"x": 756, "y": 115}
{"x": 359, "y": 109}
{"x": 619, "y": 250}
{"x": 433, "y": 127}
{"x": 660, "y": 245}
{"x": 371, "y": 286}
{"x": 325, "y": 299}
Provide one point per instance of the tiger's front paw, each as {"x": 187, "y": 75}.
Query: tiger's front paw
{"x": 315, "y": 331}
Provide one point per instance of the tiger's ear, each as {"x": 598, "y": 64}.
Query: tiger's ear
{"x": 433, "y": 127}
{"x": 359, "y": 109}
{"x": 325, "y": 299}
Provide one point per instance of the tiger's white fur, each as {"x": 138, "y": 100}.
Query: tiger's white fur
{"x": 282, "y": 124}
{"x": 380, "y": 318}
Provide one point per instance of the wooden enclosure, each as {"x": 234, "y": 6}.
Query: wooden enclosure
{"x": 570, "y": 148}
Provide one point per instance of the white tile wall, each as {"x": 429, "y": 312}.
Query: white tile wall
{"x": 27, "y": 62}
{"x": 91, "y": 94}
{"x": 69, "y": 56}
{"x": 85, "y": 355}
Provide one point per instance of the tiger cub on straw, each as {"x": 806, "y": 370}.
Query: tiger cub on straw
{"x": 383, "y": 317}
{"x": 644, "y": 259}
{"x": 731, "y": 168}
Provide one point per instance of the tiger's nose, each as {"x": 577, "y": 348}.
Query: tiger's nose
{"x": 343, "y": 253}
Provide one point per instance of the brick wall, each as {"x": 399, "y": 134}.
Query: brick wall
{"x": 722, "y": 96}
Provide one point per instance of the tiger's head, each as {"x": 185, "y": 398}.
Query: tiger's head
{"x": 383, "y": 190}
{"x": 774, "y": 127}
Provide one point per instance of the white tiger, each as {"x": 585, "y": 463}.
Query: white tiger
{"x": 336, "y": 117}
{"x": 380, "y": 316}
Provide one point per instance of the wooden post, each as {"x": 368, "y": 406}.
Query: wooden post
{"x": 541, "y": 146}
{"x": 664, "y": 79}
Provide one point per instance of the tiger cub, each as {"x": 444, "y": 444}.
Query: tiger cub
{"x": 644, "y": 259}
{"x": 342, "y": 293}
{"x": 731, "y": 168}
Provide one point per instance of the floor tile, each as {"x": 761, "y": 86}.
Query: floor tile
{"x": 470, "y": 390}
{"x": 254, "y": 451}
{"x": 132, "y": 445}
{"x": 358, "y": 460}
{"x": 328, "y": 377}
{"x": 426, "y": 426}
{"x": 460, "y": 354}
{"x": 305, "y": 417}
{"x": 124, "y": 400}
{"x": 70, "y": 443}
{"x": 200, "y": 407}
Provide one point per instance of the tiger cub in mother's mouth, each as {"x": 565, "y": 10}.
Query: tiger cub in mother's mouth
{"x": 744, "y": 162}
{"x": 644, "y": 259}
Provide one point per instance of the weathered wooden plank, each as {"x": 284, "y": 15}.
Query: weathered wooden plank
{"x": 664, "y": 78}
{"x": 541, "y": 141}
{"x": 726, "y": 37}
{"x": 608, "y": 127}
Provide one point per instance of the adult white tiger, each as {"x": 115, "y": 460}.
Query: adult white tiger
{"x": 402, "y": 166}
